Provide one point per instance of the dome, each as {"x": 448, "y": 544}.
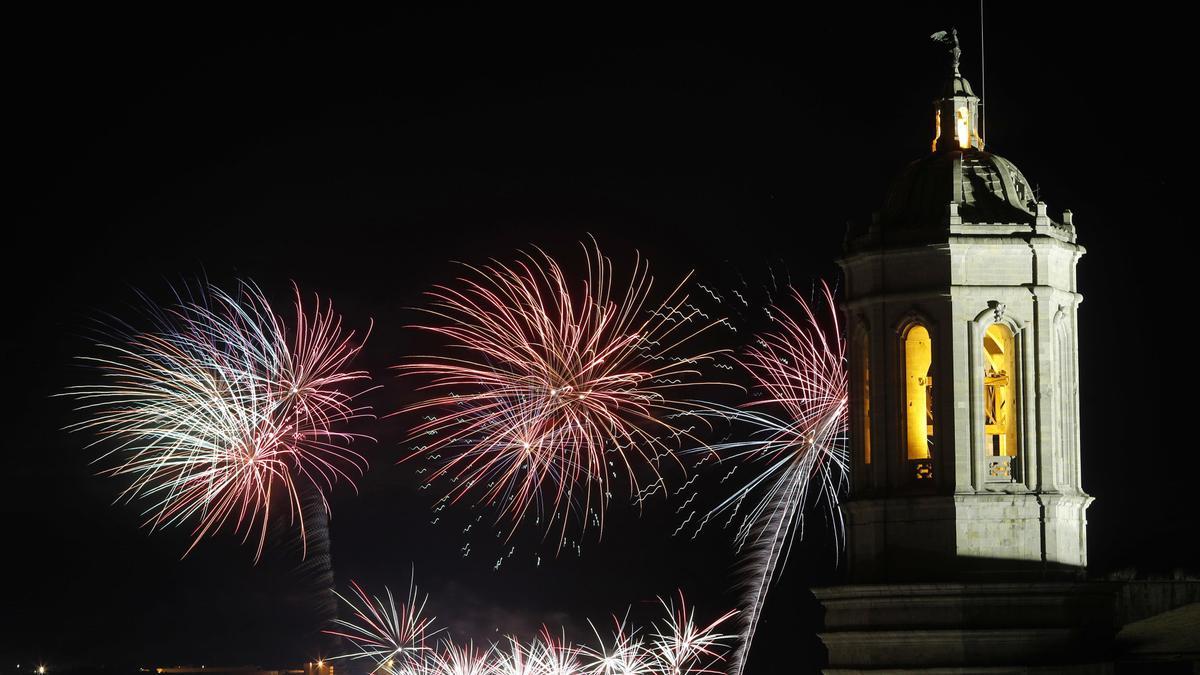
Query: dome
{"x": 986, "y": 187}
{"x": 957, "y": 86}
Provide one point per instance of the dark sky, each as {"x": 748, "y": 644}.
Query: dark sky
{"x": 359, "y": 153}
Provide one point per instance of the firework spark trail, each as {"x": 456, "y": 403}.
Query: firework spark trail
{"x": 680, "y": 646}
{"x": 456, "y": 659}
{"x": 546, "y": 396}
{"x": 388, "y": 635}
{"x": 395, "y": 639}
{"x": 624, "y": 655}
{"x": 799, "y": 435}
{"x": 219, "y": 407}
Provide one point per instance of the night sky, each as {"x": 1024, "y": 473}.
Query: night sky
{"x": 358, "y": 154}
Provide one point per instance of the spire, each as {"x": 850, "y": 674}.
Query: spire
{"x": 956, "y": 112}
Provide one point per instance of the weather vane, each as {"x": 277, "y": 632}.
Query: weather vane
{"x": 951, "y": 39}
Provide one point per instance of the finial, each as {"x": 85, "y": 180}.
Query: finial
{"x": 951, "y": 39}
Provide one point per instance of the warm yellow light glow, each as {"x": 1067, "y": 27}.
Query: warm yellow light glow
{"x": 937, "y": 127}
{"x": 962, "y": 130}
{"x": 865, "y": 359}
{"x": 1000, "y": 420}
{"x": 918, "y": 357}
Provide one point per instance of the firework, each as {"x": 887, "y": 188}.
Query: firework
{"x": 395, "y": 640}
{"x": 553, "y": 391}
{"x": 625, "y": 654}
{"x": 681, "y": 647}
{"x": 389, "y": 636}
{"x": 219, "y": 411}
{"x": 545, "y": 655}
{"x": 797, "y": 440}
{"x": 456, "y": 659}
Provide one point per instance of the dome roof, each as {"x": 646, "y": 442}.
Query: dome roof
{"x": 986, "y": 187}
{"x": 957, "y": 86}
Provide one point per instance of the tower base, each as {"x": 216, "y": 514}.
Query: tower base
{"x": 969, "y": 627}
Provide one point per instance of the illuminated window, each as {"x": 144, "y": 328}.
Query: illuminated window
{"x": 918, "y": 358}
{"x": 999, "y": 411}
{"x": 962, "y": 128}
{"x": 937, "y": 127}
{"x": 865, "y": 356}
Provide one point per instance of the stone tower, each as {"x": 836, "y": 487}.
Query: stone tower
{"x": 965, "y": 521}
{"x": 961, "y": 302}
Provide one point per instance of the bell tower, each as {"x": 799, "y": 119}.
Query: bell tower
{"x": 961, "y": 304}
{"x": 965, "y": 522}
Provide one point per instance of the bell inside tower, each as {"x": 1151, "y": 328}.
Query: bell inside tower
{"x": 918, "y": 358}
{"x": 999, "y": 404}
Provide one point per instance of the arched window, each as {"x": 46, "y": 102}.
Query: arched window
{"x": 918, "y": 388}
{"x": 999, "y": 400}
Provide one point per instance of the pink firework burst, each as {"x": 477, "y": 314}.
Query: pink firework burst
{"x": 553, "y": 390}
{"x": 221, "y": 407}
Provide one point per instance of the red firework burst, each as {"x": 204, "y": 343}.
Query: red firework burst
{"x": 555, "y": 390}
